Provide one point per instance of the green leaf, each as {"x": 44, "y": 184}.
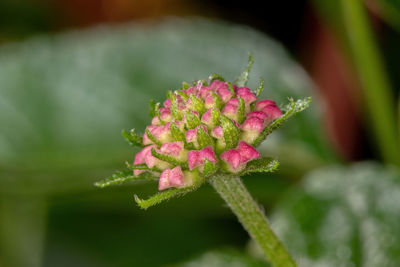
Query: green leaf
{"x": 124, "y": 176}
{"x": 183, "y": 95}
{"x": 215, "y": 114}
{"x": 230, "y": 87}
{"x": 209, "y": 168}
{"x": 241, "y": 111}
{"x": 260, "y": 88}
{"x": 217, "y": 100}
{"x": 176, "y": 133}
{"x": 154, "y": 108}
{"x": 133, "y": 138}
{"x": 164, "y": 195}
{"x": 203, "y": 138}
{"x": 244, "y": 76}
{"x": 292, "y": 109}
{"x": 214, "y": 77}
{"x": 261, "y": 165}
{"x": 192, "y": 120}
{"x": 335, "y": 207}
{"x": 152, "y": 138}
{"x": 185, "y": 85}
{"x": 141, "y": 167}
{"x": 231, "y": 132}
{"x": 169, "y": 159}
{"x": 197, "y": 104}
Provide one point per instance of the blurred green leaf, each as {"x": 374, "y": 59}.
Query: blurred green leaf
{"x": 343, "y": 216}
{"x": 389, "y": 10}
{"x": 64, "y": 99}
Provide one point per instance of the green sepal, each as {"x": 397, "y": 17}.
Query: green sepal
{"x": 169, "y": 159}
{"x": 217, "y": 100}
{"x": 176, "y": 133}
{"x": 292, "y": 108}
{"x": 185, "y": 85}
{"x": 142, "y": 166}
{"x": 215, "y": 114}
{"x": 174, "y": 108}
{"x": 261, "y": 165}
{"x": 209, "y": 168}
{"x": 214, "y": 77}
{"x": 164, "y": 195}
{"x": 241, "y": 111}
{"x": 200, "y": 82}
{"x": 230, "y": 87}
{"x": 204, "y": 139}
{"x": 244, "y": 76}
{"x": 152, "y": 138}
{"x": 133, "y": 138}
{"x": 183, "y": 95}
{"x": 197, "y": 104}
{"x": 260, "y": 88}
{"x": 191, "y": 120}
{"x": 154, "y": 109}
{"x": 124, "y": 176}
{"x": 231, "y": 132}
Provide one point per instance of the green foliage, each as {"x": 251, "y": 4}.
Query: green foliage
{"x": 154, "y": 108}
{"x": 133, "y": 138}
{"x": 176, "y": 133}
{"x": 244, "y": 76}
{"x": 203, "y": 138}
{"x": 261, "y": 165}
{"x": 209, "y": 168}
{"x": 291, "y": 109}
{"x": 152, "y": 138}
{"x": 124, "y": 176}
{"x": 164, "y": 195}
{"x": 260, "y": 88}
{"x": 343, "y": 216}
{"x": 241, "y": 111}
{"x": 192, "y": 120}
{"x": 231, "y": 132}
{"x": 214, "y": 77}
{"x": 197, "y": 104}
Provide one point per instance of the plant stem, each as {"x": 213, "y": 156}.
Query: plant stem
{"x": 377, "y": 90}
{"x": 235, "y": 194}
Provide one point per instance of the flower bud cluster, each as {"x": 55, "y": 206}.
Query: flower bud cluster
{"x": 204, "y": 124}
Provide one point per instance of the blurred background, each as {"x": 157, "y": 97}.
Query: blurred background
{"x": 74, "y": 73}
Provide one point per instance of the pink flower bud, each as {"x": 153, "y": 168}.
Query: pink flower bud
{"x": 161, "y": 133}
{"x": 231, "y": 109}
{"x": 272, "y": 112}
{"x": 247, "y": 152}
{"x": 217, "y": 132}
{"x": 251, "y": 129}
{"x": 165, "y": 115}
{"x": 264, "y": 103}
{"x": 206, "y": 118}
{"x": 167, "y": 103}
{"x": 174, "y": 149}
{"x": 258, "y": 114}
{"x": 140, "y": 158}
{"x": 171, "y": 178}
{"x": 196, "y": 157}
{"x": 232, "y": 158}
{"x": 247, "y": 95}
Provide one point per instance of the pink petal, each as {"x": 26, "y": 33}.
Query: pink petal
{"x": 232, "y": 158}
{"x": 206, "y": 118}
{"x": 167, "y": 103}
{"x": 163, "y": 182}
{"x": 173, "y": 148}
{"x": 264, "y": 103}
{"x": 176, "y": 176}
{"x": 253, "y": 124}
{"x": 258, "y": 114}
{"x": 247, "y": 95}
{"x": 217, "y": 132}
{"x": 193, "y": 158}
{"x": 225, "y": 94}
{"x": 207, "y": 153}
{"x": 191, "y": 135}
{"x": 272, "y": 112}
{"x": 247, "y": 152}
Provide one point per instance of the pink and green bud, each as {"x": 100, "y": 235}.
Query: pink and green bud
{"x": 264, "y": 103}
{"x": 273, "y": 112}
{"x": 251, "y": 129}
{"x": 231, "y": 109}
{"x": 196, "y": 158}
{"x": 159, "y": 134}
{"x": 165, "y": 116}
{"x": 171, "y": 178}
{"x": 191, "y": 135}
{"x": 218, "y": 134}
{"x": 235, "y": 159}
{"x": 174, "y": 149}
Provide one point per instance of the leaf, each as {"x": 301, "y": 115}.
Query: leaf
{"x": 214, "y": 77}
{"x": 164, "y": 195}
{"x": 133, "y": 138}
{"x": 197, "y": 104}
{"x": 124, "y": 176}
{"x": 141, "y": 167}
{"x": 217, "y": 100}
{"x": 176, "y": 133}
{"x": 169, "y": 159}
{"x": 154, "y": 108}
{"x": 241, "y": 111}
{"x": 261, "y": 165}
{"x": 352, "y": 209}
{"x": 204, "y": 139}
{"x": 244, "y": 76}
{"x": 192, "y": 120}
{"x": 292, "y": 109}
{"x": 260, "y": 87}
{"x": 152, "y": 138}
{"x": 209, "y": 168}
{"x": 231, "y": 132}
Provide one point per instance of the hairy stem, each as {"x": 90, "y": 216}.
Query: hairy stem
{"x": 233, "y": 191}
